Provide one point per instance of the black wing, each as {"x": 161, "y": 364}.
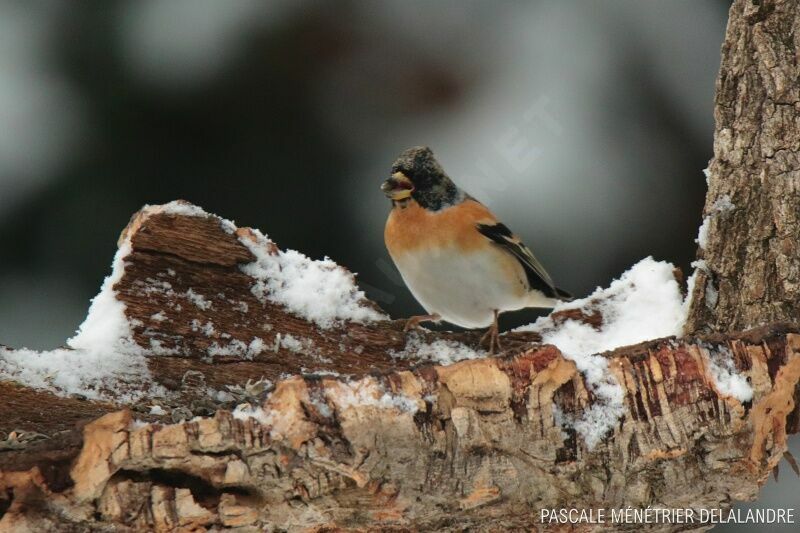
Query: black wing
{"x": 538, "y": 278}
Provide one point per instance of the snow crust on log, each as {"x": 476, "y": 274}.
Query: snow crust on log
{"x": 440, "y": 352}
{"x": 104, "y": 362}
{"x": 644, "y": 303}
{"x": 318, "y": 290}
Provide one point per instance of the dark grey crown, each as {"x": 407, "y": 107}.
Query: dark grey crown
{"x": 433, "y": 189}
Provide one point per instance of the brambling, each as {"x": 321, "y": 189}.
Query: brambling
{"x": 460, "y": 263}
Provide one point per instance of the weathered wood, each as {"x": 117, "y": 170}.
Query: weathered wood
{"x": 383, "y": 442}
{"x": 750, "y": 269}
{"x": 474, "y": 444}
{"x": 387, "y": 443}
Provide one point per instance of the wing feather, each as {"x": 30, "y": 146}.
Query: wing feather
{"x": 538, "y": 278}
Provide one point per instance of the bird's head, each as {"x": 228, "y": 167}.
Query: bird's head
{"x": 418, "y": 175}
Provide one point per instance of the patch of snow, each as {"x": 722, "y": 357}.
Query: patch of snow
{"x": 712, "y": 295}
{"x": 158, "y": 317}
{"x": 700, "y": 264}
{"x": 690, "y": 283}
{"x": 234, "y": 347}
{"x": 256, "y": 346}
{"x": 245, "y": 410}
{"x": 366, "y": 392}
{"x": 644, "y": 303}
{"x": 104, "y": 362}
{"x": 95, "y": 374}
{"x": 106, "y": 327}
{"x": 322, "y": 407}
{"x": 723, "y": 204}
{"x": 238, "y": 348}
{"x": 294, "y": 344}
{"x": 158, "y": 348}
{"x": 207, "y": 328}
{"x": 702, "y": 233}
{"x": 707, "y": 174}
{"x": 177, "y": 207}
{"x": 728, "y": 380}
{"x": 137, "y": 424}
{"x": 198, "y": 300}
{"x": 318, "y": 290}
{"x": 440, "y": 352}
{"x": 298, "y": 345}
{"x": 331, "y": 373}
{"x": 157, "y": 410}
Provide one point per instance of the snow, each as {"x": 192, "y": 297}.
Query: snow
{"x": 294, "y": 344}
{"x": 440, "y": 352}
{"x": 644, "y": 303}
{"x": 245, "y": 410}
{"x": 317, "y": 290}
{"x": 106, "y": 326}
{"x": 367, "y": 392}
{"x": 723, "y": 204}
{"x": 198, "y": 300}
{"x": 702, "y": 233}
{"x": 207, "y": 328}
{"x": 179, "y": 207}
{"x": 94, "y": 374}
{"x": 237, "y": 348}
{"x": 104, "y": 362}
{"x": 727, "y": 379}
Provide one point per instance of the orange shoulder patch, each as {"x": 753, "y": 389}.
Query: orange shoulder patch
{"x": 413, "y": 227}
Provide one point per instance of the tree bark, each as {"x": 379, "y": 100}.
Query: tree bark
{"x": 750, "y": 263}
{"x": 343, "y": 434}
{"x": 381, "y": 442}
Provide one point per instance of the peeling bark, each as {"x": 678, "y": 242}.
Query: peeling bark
{"x": 750, "y": 270}
{"x": 387, "y": 443}
{"x": 394, "y": 444}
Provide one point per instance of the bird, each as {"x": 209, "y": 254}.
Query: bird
{"x": 458, "y": 260}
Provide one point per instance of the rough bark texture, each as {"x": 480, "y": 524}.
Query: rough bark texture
{"x": 389, "y": 443}
{"x": 398, "y": 445}
{"x": 751, "y": 269}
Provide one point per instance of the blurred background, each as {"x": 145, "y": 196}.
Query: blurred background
{"x": 584, "y": 125}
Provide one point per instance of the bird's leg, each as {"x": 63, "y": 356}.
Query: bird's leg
{"x": 493, "y": 335}
{"x": 413, "y": 322}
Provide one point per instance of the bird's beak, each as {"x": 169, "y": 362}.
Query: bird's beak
{"x": 398, "y": 187}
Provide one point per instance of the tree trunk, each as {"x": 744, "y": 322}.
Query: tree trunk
{"x": 750, "y": 262}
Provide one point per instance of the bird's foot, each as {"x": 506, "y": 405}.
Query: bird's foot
{"x": 492, "y": 335}
{"x": 413, "y": 322}
{"x": 491, "y": 339}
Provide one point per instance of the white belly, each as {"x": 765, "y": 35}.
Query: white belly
{"x": 465, "y": 289}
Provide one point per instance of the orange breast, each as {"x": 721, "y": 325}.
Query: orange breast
{"x": 413, "y": 227}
